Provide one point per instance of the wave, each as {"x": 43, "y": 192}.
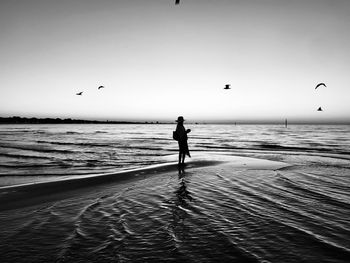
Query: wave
{"x": 39, "y": 132}
{"x": 31, "y": 166}
{"x": 57, "y": 143}
{"x": 76, "y": 144}
{"x": 36, "y": 148}
{"x": 73, "y": 132}
{"x": 23, "y": 156}
{"x": 149, "y": 139}
{"x": 310, "y": 193}
{"x": 311, "y": 238}
{"x": 274, "y": 146}
{"x": 11, "y": 133}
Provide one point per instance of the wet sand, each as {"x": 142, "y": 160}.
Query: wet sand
{"x": 218, "y": 208}
{"x": 35, "y": 193}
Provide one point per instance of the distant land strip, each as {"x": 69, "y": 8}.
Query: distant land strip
{"x": 24, "y": 120}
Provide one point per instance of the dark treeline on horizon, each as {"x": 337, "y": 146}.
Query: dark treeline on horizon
{"x": 33, "y": 120}
{"x": 24, "y": 120}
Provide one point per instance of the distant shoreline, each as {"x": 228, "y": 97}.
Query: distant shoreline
{"x": 25, "y": 120}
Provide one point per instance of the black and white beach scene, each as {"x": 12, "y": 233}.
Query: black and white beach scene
{"x": 174, "y": 131}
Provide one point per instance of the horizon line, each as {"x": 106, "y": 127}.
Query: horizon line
{"x": 164, "y": 121}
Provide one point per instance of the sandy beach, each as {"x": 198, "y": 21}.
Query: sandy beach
{"x": 217, "y": 208}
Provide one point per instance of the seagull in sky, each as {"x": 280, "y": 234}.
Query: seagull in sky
{"x": 319, "y": 109}
{"x": 227, "y": 86}
{"x": 80, "y": 93}
{"x": 320, "y": 84}
{"x": 101, "y": 87}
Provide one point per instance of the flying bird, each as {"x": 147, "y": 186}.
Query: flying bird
{"x": 227, "y": 86}
{"x": 177, "y": 2}
{"x": 80, "y": 93}
{"x": 319, "y": 109}
{"x": 101, "y": 87}
{"x": 320, "y": 84}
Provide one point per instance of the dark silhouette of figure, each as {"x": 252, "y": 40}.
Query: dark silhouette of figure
{"x": 80, "y": 93}
{"x": 227, "y": 86}
{"x": 319, "y": 109}
{"x": 101, "y": 87}
{"x": 181, "y": 137}
{"x": 177, "y": 2}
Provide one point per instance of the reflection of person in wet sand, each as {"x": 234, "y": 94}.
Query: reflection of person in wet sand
{"x": 182, "y": 193}
{"x": 181, "y": 137}
{"x": 182, "y": 196}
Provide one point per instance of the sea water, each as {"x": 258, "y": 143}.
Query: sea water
{"x": 300, "y": 213}
{"x": 32, "y": 153}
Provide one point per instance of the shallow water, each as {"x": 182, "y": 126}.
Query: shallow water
{"x": 220, "y": 213}
{"x": 212, "y": 214}
{"x": 33, "y": 153}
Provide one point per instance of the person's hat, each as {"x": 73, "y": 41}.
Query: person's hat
{"x": 180, "y": 119}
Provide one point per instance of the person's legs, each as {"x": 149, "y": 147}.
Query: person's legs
{"x": 183, "y": 148}
{"x": 183, "y": 158}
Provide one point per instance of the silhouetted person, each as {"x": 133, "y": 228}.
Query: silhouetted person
{"x": 181, "y": 137}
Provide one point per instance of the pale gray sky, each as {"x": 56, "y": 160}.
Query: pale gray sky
{"x": 158, "y": 60}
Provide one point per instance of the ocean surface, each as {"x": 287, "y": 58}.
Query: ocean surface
{"x": 299, "y": 213}
{"x": 32, "y": 153}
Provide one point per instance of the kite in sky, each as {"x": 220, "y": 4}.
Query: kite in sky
{"x": 80, "y": 93}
